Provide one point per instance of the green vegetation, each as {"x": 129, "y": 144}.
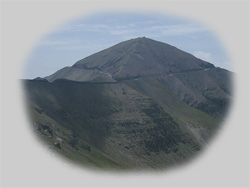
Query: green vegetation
{"x": 127, "y": 125}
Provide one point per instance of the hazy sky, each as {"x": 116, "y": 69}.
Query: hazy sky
{"x": 83, "y": 37}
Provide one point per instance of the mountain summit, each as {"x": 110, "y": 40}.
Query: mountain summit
{"x": 140, "y": 57}
{"x": 141, "y": 104}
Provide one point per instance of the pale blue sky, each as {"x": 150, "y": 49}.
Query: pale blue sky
{"x": 83, "y": 37}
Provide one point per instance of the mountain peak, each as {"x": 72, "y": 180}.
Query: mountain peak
{"x": 143, "y": 40}
{"x": 139, "y": 57}
{"x": 140, "y": 39}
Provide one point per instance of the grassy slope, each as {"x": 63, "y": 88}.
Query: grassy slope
{"x": 114, "y": 126}
{"x": 42, "y": 101}
{"x": 181, "y": 112}
{"x": 65, "y": 142}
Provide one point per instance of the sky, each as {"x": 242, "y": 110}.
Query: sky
{"x": 85, "y": 36}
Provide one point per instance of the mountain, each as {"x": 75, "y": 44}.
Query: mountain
{"x": 194, "y": 81}
{"x": 148, "y": 58}
{"x": 141, "y": 104}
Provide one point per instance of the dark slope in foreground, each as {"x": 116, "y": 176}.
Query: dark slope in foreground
{"x": 114, "y": 126}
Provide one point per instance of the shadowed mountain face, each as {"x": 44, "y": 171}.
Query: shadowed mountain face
{"x": 139, "y": 104}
